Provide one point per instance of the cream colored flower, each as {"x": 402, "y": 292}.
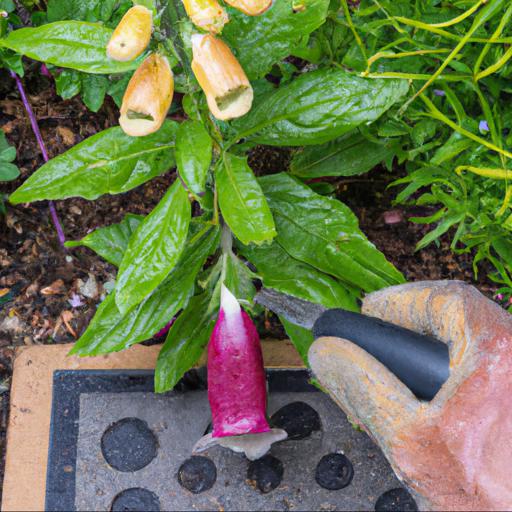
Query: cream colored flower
{"x": 148, "y": 97}
{"x": 132, "y": 36}
{"x": 227, "y": 88}
{"x": 206, "y": 14}
{"x": 250, "y": 7}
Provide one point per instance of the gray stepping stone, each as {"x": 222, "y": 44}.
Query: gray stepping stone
{"x": 130, "y": 449}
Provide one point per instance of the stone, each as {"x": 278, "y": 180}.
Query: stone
{"x": 265, "y": 474}
{"x": 334, "y": 472}
{"x": 129, "y": 445}
{"x": 298, "y": 419}
{"x": 396, "y": 500}
{"x": 136, "y": 499}
{"x": 197, "y": 474}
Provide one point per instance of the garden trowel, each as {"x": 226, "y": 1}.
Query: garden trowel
{"x": 421, "y": 362}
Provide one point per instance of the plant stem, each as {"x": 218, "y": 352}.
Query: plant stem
{"x": 39, "y": 137}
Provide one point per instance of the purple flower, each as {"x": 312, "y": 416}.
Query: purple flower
{"x": 439, "y": 92}
{"x": 75, "y": 301}
{"x": 483, "y": 126}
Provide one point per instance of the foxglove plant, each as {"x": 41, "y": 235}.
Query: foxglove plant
{"x": 237, "y": 389}
{"x": 171, "y": 262}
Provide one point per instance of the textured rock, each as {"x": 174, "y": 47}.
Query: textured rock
{"x": 454, "y": 452}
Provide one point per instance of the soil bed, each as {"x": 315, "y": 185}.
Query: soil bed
{"x": 52, "y": 294}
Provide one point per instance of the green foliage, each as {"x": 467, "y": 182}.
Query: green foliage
{"x": 8, "y": 171}
{"x": 111, "y": 242}
{"x": 276, "y": 229}
{"x": 317, "y": 107}
{"x": 109, "y": 162}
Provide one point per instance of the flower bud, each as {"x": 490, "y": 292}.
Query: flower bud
{"x": 237, "y": 385}
{"x": 250, "y": 7}
{"x": 148, "y": 97}
{"x": 206, "y": 14}
{"x": 131, "y": 37}
{"x": 227, "y": 88}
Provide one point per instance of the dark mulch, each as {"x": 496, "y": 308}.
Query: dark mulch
{"x": 53, "y": 293}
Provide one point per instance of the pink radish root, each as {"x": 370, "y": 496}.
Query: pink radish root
{"x": 237, "y": 385}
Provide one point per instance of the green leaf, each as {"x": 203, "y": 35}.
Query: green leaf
{"x": 154, "y": 248}
{"x": 348, "y": 156}
{"x": 84, "y": 10}
{"x": 185, "y": 342}
{"x": 193, "y": 155}
{"x": 8, "y": 172}
{"x": 324, "y": 233}
{"x": 7, "y": 152}
{"x": 238, "y": 279}
{"x": 301, "y": 338}
{"x": 109, "y": 162}
{"x": 317, "y": 107}
{"x": 111, "y": 242}
{"x": 94, "y": 88}
{"x": 242, "y": 202}
{"x": 260, "y": 41}
{"x": 111, "y": 331}
{"x": 279, "y": 271}
{"x": 68, "y": 44}
{"x": 68, "y": 83}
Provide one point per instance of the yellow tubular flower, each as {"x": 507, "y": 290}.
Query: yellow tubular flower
{"x": 131, "y": 37}
{"x": 148, "y": 97}
{"x": 250, "y": 7}
{"x": 206, "y": 14}
{"x": 227, "y": 88}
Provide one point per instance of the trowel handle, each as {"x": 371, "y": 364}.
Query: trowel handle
{"x": 421, "y": 362}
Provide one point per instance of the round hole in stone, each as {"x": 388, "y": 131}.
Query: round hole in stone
{"x": 334, "y": 472}
{"x": 265, "y": 474}
{"x": 197, "y": 474}
{"x": 398, "y": 499}
{"x": 298, "y": 419}
{"x": 136, "y": 499}
{"x": 129, "y": 445}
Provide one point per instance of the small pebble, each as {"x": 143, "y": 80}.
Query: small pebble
{"x": 197, "y": 474}
{"x": 334, "y": 472}
{"x": 136, "y": 499}
{"x": 266, "y": 473}
{"x": 396, "y": 500}
{"x": 298, "y": 419}
{"x": 129, "y": 445}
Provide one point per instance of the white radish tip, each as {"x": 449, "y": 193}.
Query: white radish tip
{"x": 228, "y": 302}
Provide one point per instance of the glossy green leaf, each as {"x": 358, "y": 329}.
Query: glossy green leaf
{"x": 111, "y": 331}
{"x": 185, "y": 342}
{"x": 68, "y": 83}
{"x": 279, "y": 271}
{"x": 109, "y": 162}
{"x": 193, "y": 155}
{"x": 8, "y": 172}
{"x": 260, "y": 41}
{"x": 68, "y": 44}
{"x": 348, "y": 156}
{"x": 238, "y": 279}
{"x": 317, "y": 107}
{"x": 324, "y": 233}
{"x": 241, "y": 201}
{"x": 301, "y": 338}
{"x": 111, "y": 242}
{"x": 154, "y": 248}
{"x": 94, "y": 88}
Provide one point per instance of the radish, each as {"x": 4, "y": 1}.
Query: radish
{"x": 237, "y": 385}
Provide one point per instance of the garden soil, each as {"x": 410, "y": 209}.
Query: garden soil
{"x": 48, "y": 295}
